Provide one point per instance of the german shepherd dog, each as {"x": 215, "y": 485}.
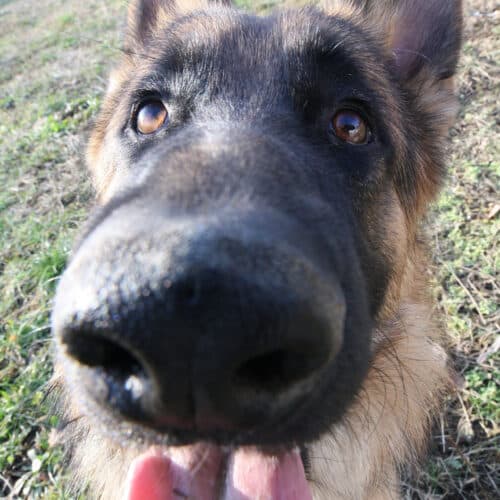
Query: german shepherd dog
{"x": 246, "y": 315}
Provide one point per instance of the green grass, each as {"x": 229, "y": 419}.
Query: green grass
{"x": 51, "y": 80}
{"x": 54, "y": 55}
{"x": 37, "y": 251}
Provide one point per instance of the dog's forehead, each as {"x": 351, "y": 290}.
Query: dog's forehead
{"x": 240, "y": 44}
{"x": 228, "y": 29}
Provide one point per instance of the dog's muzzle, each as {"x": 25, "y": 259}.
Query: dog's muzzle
{"x": 197, "y": 327}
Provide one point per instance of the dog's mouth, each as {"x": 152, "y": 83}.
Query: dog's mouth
{"x": 208, "y": 472}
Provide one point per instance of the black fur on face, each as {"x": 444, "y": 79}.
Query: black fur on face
{"x": 243, "y": 220}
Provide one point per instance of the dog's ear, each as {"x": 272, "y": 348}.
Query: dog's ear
{"x": 145, "y": 16}
{"x": 424, "y": 35}
{"x": 424, "y": 38}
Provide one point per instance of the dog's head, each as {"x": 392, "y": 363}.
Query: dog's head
{"x": 259, "y": 179}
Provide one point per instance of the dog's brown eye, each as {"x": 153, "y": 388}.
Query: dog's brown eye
{"x": 350, "y": 127}
{"x": 151, "y": 116}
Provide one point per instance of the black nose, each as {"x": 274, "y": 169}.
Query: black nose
{"x": 207, "y": 345}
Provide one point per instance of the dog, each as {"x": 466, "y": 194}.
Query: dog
{"x": 246, "y": 315}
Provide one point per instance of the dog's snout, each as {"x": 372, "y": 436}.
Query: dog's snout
{"x": 222, "y": 339}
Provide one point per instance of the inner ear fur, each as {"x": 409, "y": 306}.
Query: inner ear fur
{"x": 426, "y": 35}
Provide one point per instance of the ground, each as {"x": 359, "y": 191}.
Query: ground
{"x": 54, "y": 57}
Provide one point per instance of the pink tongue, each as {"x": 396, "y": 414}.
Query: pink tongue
{"x": 253, "y": 475}
{"x": 194, "y": 472}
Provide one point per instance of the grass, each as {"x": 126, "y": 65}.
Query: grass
{"x": 51, "y": 81}
{"x": 53, "y": 61}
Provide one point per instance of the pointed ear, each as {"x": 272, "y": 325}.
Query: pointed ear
{"x": 143, "y": 17}
{"x": 425, "y": 34}
{"x": 420, "y": 33}
{"x": 425, "y": 39}
{"x": 146, "y": 16}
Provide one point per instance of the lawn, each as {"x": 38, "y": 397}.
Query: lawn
{"x": 54, "y": 58}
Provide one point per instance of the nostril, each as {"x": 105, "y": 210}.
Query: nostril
{"x": 114, "y": 377}
{"x": 96, "y": 351}
{"x": 273, "y": 371}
